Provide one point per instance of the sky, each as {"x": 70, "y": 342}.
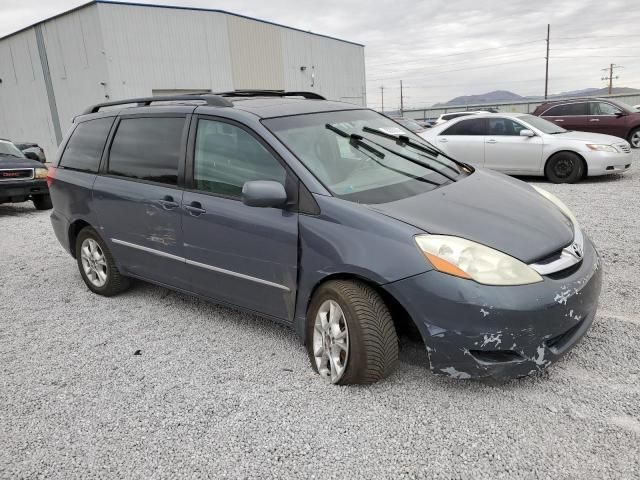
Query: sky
{"x": 443, "y": 49}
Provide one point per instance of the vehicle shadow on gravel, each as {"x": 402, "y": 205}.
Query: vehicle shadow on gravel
{"x": 616, "y": 177}
{"x": 17, "y": 209}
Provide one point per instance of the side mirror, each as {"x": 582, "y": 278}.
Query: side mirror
{"x": 264, "y": 193}
{"x": 619, "y": 114}
{"x": 31, "y": 155}
{"x": 527, "y": 133}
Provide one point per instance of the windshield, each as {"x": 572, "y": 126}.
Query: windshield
{"x": 8, "y": 148}
{"x": 410, "y": 124}
{"x": 541, "y": 124}
{"x": 362, "y": 166}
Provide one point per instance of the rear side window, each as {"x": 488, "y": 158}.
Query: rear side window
{"x": 471, "y": 126}
{"x": 84, "y": 149}
{"x": 504, "y": 126}
{"x": 147, "y": 149}
{"x": 227, "y": 156}
{"x": 567, "y": 110}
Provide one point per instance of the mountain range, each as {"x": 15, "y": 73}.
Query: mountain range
{"x": 498, "y": 96}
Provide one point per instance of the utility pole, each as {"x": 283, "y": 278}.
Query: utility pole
{"x": 382, "y": 97}
{"x": 610, "y": 77}
{"x": 546, "y": 71}
{"x": 401, "y": 100}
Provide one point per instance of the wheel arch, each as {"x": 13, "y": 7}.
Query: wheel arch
{"x": 402, "y": 321}
{"x": 75, "y": 228}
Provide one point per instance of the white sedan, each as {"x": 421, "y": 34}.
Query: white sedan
{"x": 522, "y": 144}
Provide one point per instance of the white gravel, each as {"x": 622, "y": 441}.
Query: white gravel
{"x": 217, "y": 393}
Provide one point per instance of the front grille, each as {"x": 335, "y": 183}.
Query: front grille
{"x": 624, "y": 147}
{"x": 13, "y": 174}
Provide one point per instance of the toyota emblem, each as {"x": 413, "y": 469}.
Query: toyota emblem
{"x": 577, "y": 249}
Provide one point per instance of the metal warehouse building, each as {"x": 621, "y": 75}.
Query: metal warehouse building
{"x": 51, "y": 71}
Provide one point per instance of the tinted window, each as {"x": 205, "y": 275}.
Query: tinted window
{"x": 603, "y": 108}
{"x": 227, "y": 156}
{"x": 84, "y": 148}
{"x": 147, "y": 149}
{"x": 472, "y": 126}
{"x": 504, "y": 126}
{"x": 567, "y": 109}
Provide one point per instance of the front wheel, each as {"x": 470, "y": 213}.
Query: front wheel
{"x": 350, "y": 334}
{"x": 96, "y": 264}
{"x": 634, "y": 138}
{"x": 564, "y": 167}
{"x": 42, "y": 202}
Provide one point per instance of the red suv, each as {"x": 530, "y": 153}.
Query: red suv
{"x": 599, "y": 115}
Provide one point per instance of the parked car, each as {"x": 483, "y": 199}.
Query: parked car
{"x": 522, "y": 144}
{"x": 445, "y": 117}
{"x": 32, "y": 148}
{"x": 409, "y": 124}
{"x": 22, "y": 179}
{"x": 329, "y": 218}
{"x": 598, "y": 115}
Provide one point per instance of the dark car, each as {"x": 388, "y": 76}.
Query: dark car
{"x": 329, "y": 218}
{"x": 598, "y": 115}
{"x": 32, "y": 150}
{"x": 21, "y": 178}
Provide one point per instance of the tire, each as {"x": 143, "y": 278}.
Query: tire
{"x": 564, "y": 167}
{"x": 634, "y": 138}
{"x": 112, "y": 281}
{"x": 371, "y": 340}
{"x": 42, "y": 202}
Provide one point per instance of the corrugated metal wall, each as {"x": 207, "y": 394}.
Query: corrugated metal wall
{"x": 111, "y": 51}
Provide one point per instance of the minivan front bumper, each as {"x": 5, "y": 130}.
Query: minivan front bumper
{"x": 474, "y": 331}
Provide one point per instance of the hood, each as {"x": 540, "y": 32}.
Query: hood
{"x": 488, "y": 208}
{"x": 589, "y": 137}
{"x": 7, "y": 161}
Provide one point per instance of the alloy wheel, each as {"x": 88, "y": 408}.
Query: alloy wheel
{"x": 331, "y": 341}
{"x": 94, "y": 262}
{"x": 563, "y": 167}
{"x": 635, "y": 139}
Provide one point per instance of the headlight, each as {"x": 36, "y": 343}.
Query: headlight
{"x": 602, "y": 148}
{"x": 40, "y": 173}
{"x": 558, "y": 203}
{"x": 466, "y": 259}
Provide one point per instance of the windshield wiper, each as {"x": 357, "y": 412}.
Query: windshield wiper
{"x": 413, "y": 160}
{"x": 404, "y": 139}
{"x": 358, "y": 139}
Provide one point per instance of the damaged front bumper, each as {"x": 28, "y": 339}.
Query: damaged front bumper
{"x": 474, "y": 331}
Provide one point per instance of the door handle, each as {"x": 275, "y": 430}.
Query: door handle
{"x": 559, "y": 120}
{"x": 195, "y": 209}
{"x": 168, "y": 203}
{"x": 492, "y": 140}
{"x": 594, "y": 119}
{"x": 443, "y": 140}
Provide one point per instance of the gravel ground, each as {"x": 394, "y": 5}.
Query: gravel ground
{"x": 217, "y": 393}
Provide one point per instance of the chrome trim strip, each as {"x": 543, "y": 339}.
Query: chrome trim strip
{"x": 236, "y": 274}
{"x": 14, "y": 179}
{"x": 148, "y": 250}
{"x": 201, "y": 265}
{"x": 570, "y": 255}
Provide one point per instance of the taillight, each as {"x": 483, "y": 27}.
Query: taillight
{"x": 51, "y": 174}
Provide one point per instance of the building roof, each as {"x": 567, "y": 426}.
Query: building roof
{"x": 176, "y": 7}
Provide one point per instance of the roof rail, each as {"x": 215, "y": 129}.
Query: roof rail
{"x": 271, "y": 93}
{"x": 211, "y": 100}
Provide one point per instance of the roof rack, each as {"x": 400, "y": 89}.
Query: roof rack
{"x": 213, "y": 100}
{"x": 271, "y": 93}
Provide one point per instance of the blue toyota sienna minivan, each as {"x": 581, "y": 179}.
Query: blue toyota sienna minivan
{"x": 330, "y": 218}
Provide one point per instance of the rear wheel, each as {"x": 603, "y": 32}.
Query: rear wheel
{"x": 42, "y": 202}
{"x": 564, "y": 167}
{"x": 634, "y": 138}
{"x": 97, "y": 266}
{"x": 350, "y": 335}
